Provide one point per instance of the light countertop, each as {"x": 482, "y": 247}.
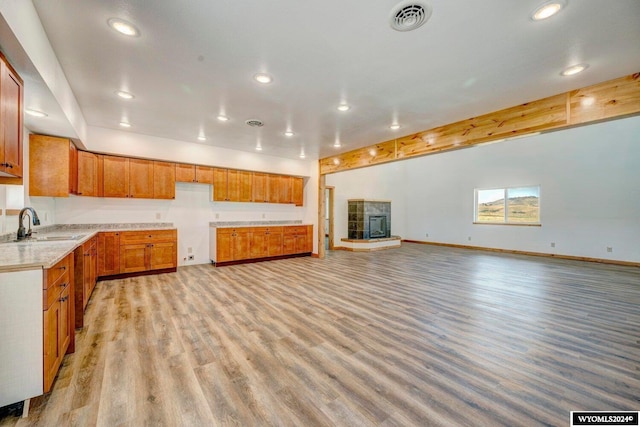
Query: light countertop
{"x": 34, "y": 254}
{"x": 231, "y": 224}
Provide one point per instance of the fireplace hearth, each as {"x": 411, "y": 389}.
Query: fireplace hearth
{"x": 369, "y": 219}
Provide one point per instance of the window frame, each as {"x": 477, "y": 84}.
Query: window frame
{"x": 505, "y": 197}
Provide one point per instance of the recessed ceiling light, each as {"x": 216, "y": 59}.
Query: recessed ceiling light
{"x": 336, "y": 161}
{"x": 263, "y": 78}
{"x": 548, "y": 9}
{"x": 343, "y": 107}
{"x": 258, "y": 147}
{"x": 35, "y": 113}
{"x": 394, "y": 126}
{"x": 289, "y": 133}
{"x": 125, "y": 124}
{"x": 123, "y": 27}
{"x": 222, "y": 118}
{"x": 574, "y": 69}
{"x": 124, "y": 95}
{"x": 372, "y": 152}
{"x": 337, "y": 144}
{"x": 302, "y": 156}
{"x": 202, "y": 138}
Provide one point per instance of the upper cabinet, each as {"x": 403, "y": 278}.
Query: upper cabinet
{"x": 194, "y": 173}
{"x": 125, "y": 177}
{"x": 57, "y": 169}
{"x": 50, "y": 166}
{"x": 11, "y": 116}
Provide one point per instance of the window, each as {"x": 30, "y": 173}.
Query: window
{"x": 515, "y": 205}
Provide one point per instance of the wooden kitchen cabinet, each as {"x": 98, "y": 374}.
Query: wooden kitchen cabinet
{"x": 164, "y": 180}
{"x": 51, "y": 166}
{"x": 259, "y": 187}
{"x": 87, "y": 174}
{"x": 273, "y": 188}
{"x": 11, "y": 119}
{"x": 125, "y": 177}
{"x": 148, "y": 250}
{"x": 230, "y": 185}
{"x": 297, "y": 191}
{"x": 233, "y": 244}
{"x": 108, "y": 249}
{"x": 58, "y": 317}
{"x": 194, "y": 173}
{"x": 229, "y": 245}
{"x": 115, "y": 171}
{"x": 85, "y": 277}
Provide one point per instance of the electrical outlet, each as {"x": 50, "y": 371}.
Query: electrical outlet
{"x": 264, "y": 215}
{"x": 217, "y": 216}
{"x": 426, "y": 235}
{"x": 189, "y": 250}
{"x": 191, "y": 257}
{"x": 609, "y": 249}
{"x": 553, "y": 244}
{"x": 158, "y": 215}
{"x": 469, "y": 238}
{"x": 46, "y": 216}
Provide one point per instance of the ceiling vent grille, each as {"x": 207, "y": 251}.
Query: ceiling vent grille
{"x": 409, "y": 15}
{"x": 255, "y": 123}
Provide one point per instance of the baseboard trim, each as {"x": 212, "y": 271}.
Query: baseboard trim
{"x": 344, "y": 248}
{"x": 137, "y": 273}
{"x": 541, "y": 254}
{"x": 252, "y": 260}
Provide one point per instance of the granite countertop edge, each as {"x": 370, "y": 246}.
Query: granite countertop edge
{"x": 19, "y": 256}
{"x": 231, "y": 224}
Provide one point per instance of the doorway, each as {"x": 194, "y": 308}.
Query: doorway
{"x": 328, "y": 215}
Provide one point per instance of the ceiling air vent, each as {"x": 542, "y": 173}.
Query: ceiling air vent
{"x": 255, "y": 123}
{"x": 409, "y": 15}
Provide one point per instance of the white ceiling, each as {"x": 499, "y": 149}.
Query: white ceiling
{"x": 195, "y": 59}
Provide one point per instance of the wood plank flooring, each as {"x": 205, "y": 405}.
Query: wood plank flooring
{"x": 421, "y": 335}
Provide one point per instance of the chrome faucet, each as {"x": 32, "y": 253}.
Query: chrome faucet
{"x": 22, "y": 233}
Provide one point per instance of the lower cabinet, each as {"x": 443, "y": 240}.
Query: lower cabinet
{"x": 85, "y": 274}
{"x": 251, "y": 243}
{"x": 148, "y": 250}
{"x": 108, "y": 253}
{"x": 58, "y": 317}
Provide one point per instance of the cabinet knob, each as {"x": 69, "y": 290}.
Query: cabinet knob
{"x": 63, "y": 267}
{"x": 63, "y": 299}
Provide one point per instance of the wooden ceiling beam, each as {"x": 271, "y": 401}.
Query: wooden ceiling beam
{"x": 604, "y": 101}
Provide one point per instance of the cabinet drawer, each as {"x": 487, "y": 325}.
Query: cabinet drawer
{"x": 50, "y": 295}
{"x": 296, "y": 229}
{"x": 141, "y": 237}
{"x": 52, "y": 275}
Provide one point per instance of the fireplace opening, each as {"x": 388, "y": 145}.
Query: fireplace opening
{"x": 377, "y": 226}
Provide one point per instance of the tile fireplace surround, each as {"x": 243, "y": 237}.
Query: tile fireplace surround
{"x": 369, "y": 219}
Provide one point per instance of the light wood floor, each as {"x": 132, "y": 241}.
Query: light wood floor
{"x": 421, "y": 335}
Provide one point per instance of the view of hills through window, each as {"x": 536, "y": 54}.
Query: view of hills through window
{"x": 521, "y": 205}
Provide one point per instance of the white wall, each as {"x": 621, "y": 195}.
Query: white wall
{"x": 590, "y": 192}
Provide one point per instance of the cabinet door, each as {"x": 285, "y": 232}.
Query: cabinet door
{"x": 49, "y": 166}
{"x": 259, "y": 243}
{"x": 301, "y": 243}
{"x": 185, "y": 173}
{"x": 242, "y": 244}
{"x": 310, "y": 236}
{"x": 66, "y": 328}
{"x": 284, "y": 194}
{"x": 224, "y": 245}
{"x": 87, "y": 174}
{"x": 298, "y": 191}
{"x": 108, "y": 253}
{"x": 93, "y": 272}
{"x": 51, "y": 339}
{"x": 164, "y": 180}
{"x": 245, "y": 186}
{"x": 274, "y": 243}
{"x": 73, "y": 168}
{"x": 273, "y": 188}
{"x": 220, "y": 193}
{"x": 86, "y": 284}
{"x": 163, "y": 255}
{"x": 11, "y": 91}
{"x": 141, "y": 179}
{"x": 204, "y": 174}
{"x": 115, "y": 176}
{"x": 233, "y": 186}
{"x": 288, "y": 244}
{"x": 259, "y": 188}
{"x": 133, "y": 258}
